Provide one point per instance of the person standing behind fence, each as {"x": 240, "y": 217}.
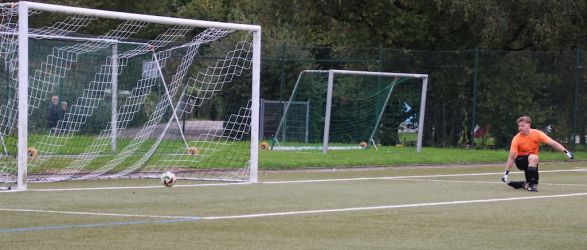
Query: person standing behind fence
{"x": 63, "y": 110}
{"x": 54, "y": 112}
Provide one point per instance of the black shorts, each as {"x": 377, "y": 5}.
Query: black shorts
{"x": 522, "y": 162}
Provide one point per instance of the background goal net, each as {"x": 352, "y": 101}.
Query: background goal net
{"x": 352, "y": 110}
{"x": 107, "y": 95}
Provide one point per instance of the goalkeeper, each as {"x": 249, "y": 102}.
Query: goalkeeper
{"x": 524, "y": 152}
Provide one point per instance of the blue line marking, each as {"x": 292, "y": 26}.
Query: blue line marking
{"x": 111, "y": 224}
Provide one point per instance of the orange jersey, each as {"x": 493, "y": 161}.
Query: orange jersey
{"x": 528, "y": 144}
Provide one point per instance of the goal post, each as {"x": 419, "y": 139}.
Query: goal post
{"x": 187, "y": 112}
{"x": 364, "y": 103}
{"x": 23, "y": 77}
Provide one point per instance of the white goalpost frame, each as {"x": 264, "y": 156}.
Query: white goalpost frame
{"x": 23, "y": 93}
{"x": 114, "y": 94}
{"x": 330, "y": 87}
{"x": 333, "y": 72}
{"x": 23, "y": 74}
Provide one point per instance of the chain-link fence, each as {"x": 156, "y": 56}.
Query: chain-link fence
{"x": 474, "y": 96}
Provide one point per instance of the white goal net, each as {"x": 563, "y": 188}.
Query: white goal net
{"x": 104, "y": 94}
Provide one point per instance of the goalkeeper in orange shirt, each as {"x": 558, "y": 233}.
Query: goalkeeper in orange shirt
{"x": 524, "y": 152}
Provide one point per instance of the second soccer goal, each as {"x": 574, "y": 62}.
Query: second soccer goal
{"x": 346, "y": 109}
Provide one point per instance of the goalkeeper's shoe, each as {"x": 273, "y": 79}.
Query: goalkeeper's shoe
{"x": 517, "y": 184}
{"x": 569, "y": 154}
{"x": 532, "y": 188}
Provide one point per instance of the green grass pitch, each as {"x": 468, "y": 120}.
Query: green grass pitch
{"x": 404, "y": 207}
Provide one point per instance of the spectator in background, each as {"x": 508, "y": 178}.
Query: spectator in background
{"x": 54, "y": 112}
{"x": 63, "y": 110}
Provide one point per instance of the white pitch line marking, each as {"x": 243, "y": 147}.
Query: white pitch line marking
{"x": 136, "y": 187}
{"x": 413, "y": 177}
{"x": 301, "y": 212}
{"x": 456, "y": 181}
{"x": 299, "y": 181}
{"x": 492, "y": 182}
{"x": 354, "y": 209}
{"x": 97, "y": 214}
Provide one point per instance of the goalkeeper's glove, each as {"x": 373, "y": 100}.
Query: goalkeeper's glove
{"x": 504, "y": 178}
{"x": 569, "y": 154}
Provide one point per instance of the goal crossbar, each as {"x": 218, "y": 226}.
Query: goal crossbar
{"x": 135, "y": 17}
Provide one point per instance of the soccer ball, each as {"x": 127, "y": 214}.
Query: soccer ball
{"x": 168, "y": 179}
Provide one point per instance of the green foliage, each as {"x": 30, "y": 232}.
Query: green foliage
{"x": 529, "y": 90}
{"x": 437, "y": 24}
{"x": 520, "y": 24}
{"x": 308, "y": 34}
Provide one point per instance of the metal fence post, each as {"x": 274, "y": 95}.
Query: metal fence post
{"x": 576, "y": 96}
{"x": 474, "y": 101}
{"x": 282, "y": 73}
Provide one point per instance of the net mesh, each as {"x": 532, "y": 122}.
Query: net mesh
{"x": 295, "y": 127}
{"x": 178, "y": 107}
{"x": 362, "y": 108}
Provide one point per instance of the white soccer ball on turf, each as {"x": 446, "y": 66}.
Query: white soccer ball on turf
{"x": 168, "y": 179}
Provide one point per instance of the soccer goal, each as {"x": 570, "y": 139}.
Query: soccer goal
{"x": 89, "y": 94}
{"x": 296, "y": 127}
{"x": 354, "y": 110}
